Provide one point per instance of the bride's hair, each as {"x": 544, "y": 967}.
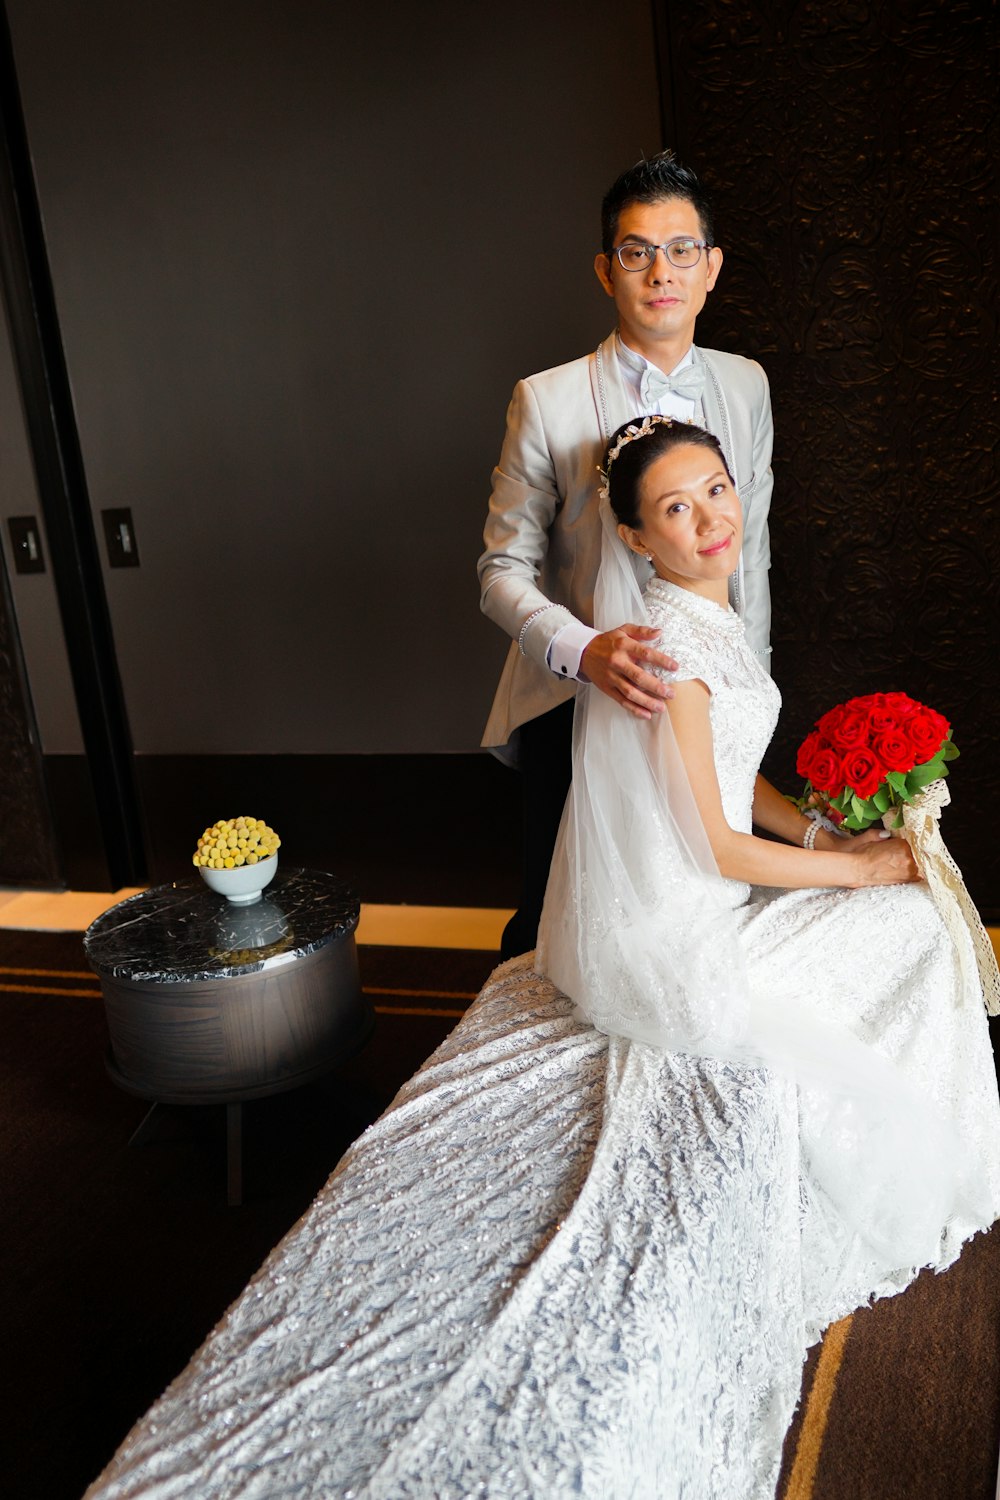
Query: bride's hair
{"x": 629, "y": 455}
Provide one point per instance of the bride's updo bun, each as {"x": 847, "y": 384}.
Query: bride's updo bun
{"x": 640, "y": 443}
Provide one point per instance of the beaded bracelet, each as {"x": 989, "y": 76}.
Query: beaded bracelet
{"x": 809, "y": 837}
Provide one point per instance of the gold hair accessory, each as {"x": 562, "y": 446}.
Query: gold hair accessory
{"x": 636, "y": 430}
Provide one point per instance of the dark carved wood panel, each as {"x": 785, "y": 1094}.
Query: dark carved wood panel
{"x": 851, "y": 150}
{"x": 27, "y": 845}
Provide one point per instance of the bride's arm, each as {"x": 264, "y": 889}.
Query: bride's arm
{"x": 773, "y": 812}
{"x": 742, "y": 856}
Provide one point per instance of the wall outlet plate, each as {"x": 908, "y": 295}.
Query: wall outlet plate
{"x": 119, "y": 538}
{"x": 26, "y": 543}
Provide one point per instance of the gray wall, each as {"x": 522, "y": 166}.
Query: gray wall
{"x": 301, "y": 253}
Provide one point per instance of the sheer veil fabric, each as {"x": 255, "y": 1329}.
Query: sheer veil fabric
{"x": 639, "y": 929}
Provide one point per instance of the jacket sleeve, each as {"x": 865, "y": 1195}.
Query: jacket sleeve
{"x": 523, "y": 507}
{"x": 756, "y": 542}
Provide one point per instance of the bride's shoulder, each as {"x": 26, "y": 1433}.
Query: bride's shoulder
{"x": 695, "y": 631}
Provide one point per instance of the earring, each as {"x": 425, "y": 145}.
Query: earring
{"x": 648, "y": 556}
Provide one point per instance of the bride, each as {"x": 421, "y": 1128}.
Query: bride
{"x": 821, "y": 957}
{"x": 742, "y": 1088}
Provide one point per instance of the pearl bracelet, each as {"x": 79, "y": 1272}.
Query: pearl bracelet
{"x": 809, "y": 837}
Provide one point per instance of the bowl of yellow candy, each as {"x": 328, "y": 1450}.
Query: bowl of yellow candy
{"x": 238, "y": 857}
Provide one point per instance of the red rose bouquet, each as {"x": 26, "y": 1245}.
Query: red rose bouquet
{"x": 871, "y": 754}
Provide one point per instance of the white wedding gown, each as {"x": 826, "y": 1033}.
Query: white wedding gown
{"x": 563, "y": 1264}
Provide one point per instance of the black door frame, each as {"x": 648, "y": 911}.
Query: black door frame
{"x": 36, "y": 341}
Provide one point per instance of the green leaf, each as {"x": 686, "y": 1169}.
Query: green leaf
{"x": 897, "y": 780}
{"x": 949, "y": 751}
{"x": 857, "y": 807}
{"x": 852, "y": 823}
{"x": 882, "y": 799}
{"x": 922, "y": 776}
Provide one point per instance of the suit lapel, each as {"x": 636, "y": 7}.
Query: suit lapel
{"x": 717, "y": 421}
{"x": 716, "y": 410}
{"x": 615, "y": 405}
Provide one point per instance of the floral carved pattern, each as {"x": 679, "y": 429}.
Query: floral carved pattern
{"x": 850, "y": 153}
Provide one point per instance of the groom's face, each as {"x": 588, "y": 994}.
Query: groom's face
{"x": 658, "y": 307}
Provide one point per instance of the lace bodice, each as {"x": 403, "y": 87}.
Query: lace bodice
{"x": 709, "y": 643}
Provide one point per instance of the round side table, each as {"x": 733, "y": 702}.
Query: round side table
{"x": 210, "y": 1003}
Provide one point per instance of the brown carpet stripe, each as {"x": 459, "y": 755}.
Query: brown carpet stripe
{"x": 367, "y": 989}
{"x": 810, "y": 1445}
{"x": 445, "y": 1013}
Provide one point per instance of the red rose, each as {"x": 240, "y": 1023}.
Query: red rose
{"x": 827, "y": 773}
{"x": 881, "y": 718}
{"x": 862, "y": 772}
{"x": 900, "y": 704}
{"x": 894, "y": 750}
{"x": 829, "y": 721}
{"x": 927, "y": 731}
{"x": 845, "y": 727}
{"x": 808, "y": 750}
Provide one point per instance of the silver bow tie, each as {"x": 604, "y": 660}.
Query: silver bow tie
{"x": 688, "y": 383}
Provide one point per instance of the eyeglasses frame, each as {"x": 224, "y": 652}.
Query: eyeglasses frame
{"x": 678, "y": 239}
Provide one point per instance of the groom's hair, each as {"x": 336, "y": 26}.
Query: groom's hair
{"x": 651, "y": 181}
{"x": 635, "y": 455}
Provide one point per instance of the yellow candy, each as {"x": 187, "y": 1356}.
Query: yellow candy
{"x": 231, "y": 842}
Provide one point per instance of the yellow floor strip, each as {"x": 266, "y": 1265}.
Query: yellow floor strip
{"x": 37, "y": 989}
{"x": 432, "y": 926}
{"x": 53, "y": 973}
{"x": 476, "y": 927}
{"x": 810, "y": 1445}
{"x": 381, "y": 926}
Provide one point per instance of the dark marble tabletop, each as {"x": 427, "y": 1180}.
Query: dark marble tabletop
{"x": 181, "y": 933}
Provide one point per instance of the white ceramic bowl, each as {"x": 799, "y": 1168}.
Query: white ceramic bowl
{"x": 243, "y": 885}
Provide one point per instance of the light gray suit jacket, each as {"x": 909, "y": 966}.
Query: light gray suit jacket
{"x": 543, "y": 535}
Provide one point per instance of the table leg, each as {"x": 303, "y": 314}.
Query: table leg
{"x": 234, "y": 1155}
{"x": 145, "y": 1126}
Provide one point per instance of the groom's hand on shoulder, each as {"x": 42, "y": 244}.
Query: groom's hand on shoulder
{"x": 617, "y": 662}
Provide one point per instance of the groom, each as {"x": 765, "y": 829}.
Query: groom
{"x": 658, "y": 263}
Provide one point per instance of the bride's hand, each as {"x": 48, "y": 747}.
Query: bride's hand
{"x": 881, "y": 860}
{"x": 837, "y": 843}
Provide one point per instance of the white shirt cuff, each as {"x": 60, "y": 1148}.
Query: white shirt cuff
{"x": 567, "y": 647}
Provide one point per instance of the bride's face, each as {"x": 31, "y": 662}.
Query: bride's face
{"x": 690, "y": 520}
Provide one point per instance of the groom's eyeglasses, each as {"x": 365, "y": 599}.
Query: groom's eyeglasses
{"x": 682, "y": 252}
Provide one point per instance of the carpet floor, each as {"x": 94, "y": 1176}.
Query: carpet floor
{"x": 115, "y": 1263}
